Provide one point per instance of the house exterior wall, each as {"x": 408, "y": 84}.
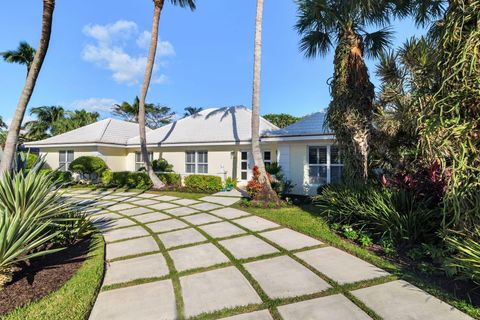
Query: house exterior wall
{"x": 52, "y": 157}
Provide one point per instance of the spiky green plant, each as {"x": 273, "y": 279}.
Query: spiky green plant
{"x": 468, "y": 258}
{"x": 32, "y": 214}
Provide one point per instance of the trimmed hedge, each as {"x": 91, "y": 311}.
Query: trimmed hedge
{"x": 88, "y": 165}
{"x": 61, "y": 177}
{"x": 203, "y": 183}
{"x": 137, "y": 180}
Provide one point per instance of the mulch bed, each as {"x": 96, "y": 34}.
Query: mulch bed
{"x": 43, "y": 275}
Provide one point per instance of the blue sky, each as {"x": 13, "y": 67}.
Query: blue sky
{"x": 97, "y": 55}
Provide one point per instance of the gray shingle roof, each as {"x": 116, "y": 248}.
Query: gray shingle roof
{"x": 107, "y": 131}
{"x": 215, "y": 125}
{"x": 310, "y": 125}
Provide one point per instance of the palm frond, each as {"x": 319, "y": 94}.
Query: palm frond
{"x": 377, "y": 42}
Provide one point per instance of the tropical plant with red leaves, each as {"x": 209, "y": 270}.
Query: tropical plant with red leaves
{"x": 254, "y": 186}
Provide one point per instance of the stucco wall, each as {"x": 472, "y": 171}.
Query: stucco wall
{"x": 52, "y": 158}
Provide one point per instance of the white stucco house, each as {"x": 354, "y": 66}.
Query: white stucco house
{"x": 214, "y": 141}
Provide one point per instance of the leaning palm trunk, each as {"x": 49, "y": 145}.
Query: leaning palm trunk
{"x": 14, "y": 129}
{"x": 267, "y": 193}
{"x": 157, "y": 183}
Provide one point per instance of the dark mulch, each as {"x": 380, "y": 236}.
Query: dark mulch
{"x": 43, "y": 275}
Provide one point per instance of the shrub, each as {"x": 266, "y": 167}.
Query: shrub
{"x": 170, "y": 179}
{"x": 31, "y": 209}
{"x": 397, "y": 215}
{"x": 230, "y": 183}
{"x": 467, "y": 259}
{"x": 58, "y": 177}
{"x": 254, "y": 186}
{"x": 88, "y": 165}
{"x": 136, "y": 180}
{"x": 107, "y": 178}
{"x": 161, "y": 165}
{"x": 273, "y": 168}
{"x": 203, "y": 183}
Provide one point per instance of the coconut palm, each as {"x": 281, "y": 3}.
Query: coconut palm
{"x": 190, "y": 111}
{"x": 24, "y": 54}
{"x": 342, "y": 24}
{"x": 43, "y": 126}
{"x": 156, "y": 115}
{"x": 14, "y": 129}
{"x": 267, "y": 194}
{"x": 158, "y": 6}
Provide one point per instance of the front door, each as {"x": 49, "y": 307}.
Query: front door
{"x": 246, "y": 166}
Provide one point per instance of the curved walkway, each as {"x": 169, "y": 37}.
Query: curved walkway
{"x": 173, "y": 258}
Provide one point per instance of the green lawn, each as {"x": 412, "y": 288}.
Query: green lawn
{"x": 75, "y": 299}
{"x": 305, "y": 219}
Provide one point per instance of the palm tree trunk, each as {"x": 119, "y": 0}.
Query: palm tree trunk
{"x": 158, "y": 6}
{"x": 14, "y": 129}
{"x": 267, "y": 194}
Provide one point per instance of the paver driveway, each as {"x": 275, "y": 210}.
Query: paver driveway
{"x": 172, "y": 258}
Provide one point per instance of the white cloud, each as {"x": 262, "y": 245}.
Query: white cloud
{"x": 109, "y": 50}
{"x": 94, "y": 104}
{"x": 161, "y": 79}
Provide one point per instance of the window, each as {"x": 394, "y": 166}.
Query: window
{"x": 325, "y": 165}
{"x": 196, "y": 162}
{"x": 267, "y": 157}
{"x": 139, "y": 162}
{"x": 65, "y": 157}
{"x": 244, "y": 166}
{"x": 317, "y": 160}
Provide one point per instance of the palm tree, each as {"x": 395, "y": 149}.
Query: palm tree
{"x": 267, "y": 194}
{"x": 158, "y": 6}
{"x": 156, "y": 115}
{"x": 24, "y": 54}
{"x": 73, "y": 120}
{"x": 190, "y": 111}
{"x": 3, "y": 125}
{"x": 323, "y": 24}
{"x": 46, "y": 119}
{"x": 14, "y": 129}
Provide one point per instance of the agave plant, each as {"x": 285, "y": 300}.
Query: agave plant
{"x": 32, "y": 214}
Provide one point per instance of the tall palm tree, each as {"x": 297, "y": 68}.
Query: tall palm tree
{"x": 158, "y": 6}
{"x": 24, "y": 54}
{"x": 324, "y": 24}
{"x": 127, "y": 111}
{"x": 190, "y": 111}
{"x": 267, "y": 194}
{"x": 14, "y": 129}
{"x": 46, "y": 119}
{"x": 3, "y": 125}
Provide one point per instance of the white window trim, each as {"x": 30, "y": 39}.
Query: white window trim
{"x": 142, "y": 163}
{"x": 66, "y": 162}
{"x": 328, "y": 165}
{"x": 263, "y": 157}
{"x": 196, "y": 162}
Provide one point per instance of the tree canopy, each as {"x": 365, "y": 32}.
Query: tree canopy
{"x": 281, "y": 120}
{"x": 156, "y": 115}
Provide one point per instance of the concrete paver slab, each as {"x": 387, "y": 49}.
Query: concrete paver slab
{"x": 166, "y": 225}
{"x": 105, "y": 224}
{"x": 256, "y": 223}
{"x": 185, "y": 202}
{"x": 181, "y": 237}
{"x": 150, "y": 217}
{"x": 331, "y": 307}
{"x": 145, "y": 202}
{"x": 224, "y": 201}
{"x": 135, "y": 211}
{"x": 163, "y": 206}
{"x": 231, "y": 193}
{"x": 201, "y": 218}
{"x": 222, "y": 230}
{"x": 400, "y": 300}
{"x": 121, "y": 206}
{"x": 283, "y": 277}
{"x": 204, "y": 255}
{"x": 290, "y": 240}
{"x": 167, "y": 198}
{"x": 340, "y": 266}
{"x": 215, "y": 290}
{"x": 130, "y": 247}
{"x": 204, "y": 206}
{"x": 247, "y": 247}
{"x": 146, "y": 195}
{"x": 181, "y": 211}
{"x": 124, "y": 233}
{"x": 150, "y": 266}
{"x": 145, "y": 302}
{"x": 230, "y": 213}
